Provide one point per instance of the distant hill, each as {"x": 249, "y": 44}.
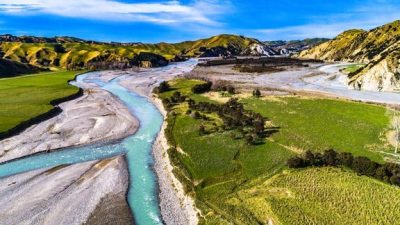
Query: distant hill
{"x": 378, "y": 49}
{"x": 74, "y": 53}
{"x": 294, "y": 47}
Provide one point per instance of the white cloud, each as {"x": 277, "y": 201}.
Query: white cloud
{"x": 164, "y": 12}
{"x": 370, "y": 15}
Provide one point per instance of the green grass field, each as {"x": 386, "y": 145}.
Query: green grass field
{"x": 352, "y": 68}
{"x": 25, "y": 97}
{"x": 223, "y": 172}
{"x": 321, "y": 124}
{"x": 322, "y": 196}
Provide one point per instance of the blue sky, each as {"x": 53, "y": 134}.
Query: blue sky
{"x": 173, "y": 21}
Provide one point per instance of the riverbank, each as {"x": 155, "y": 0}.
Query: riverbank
{"x": 176, "y": 206}
{"x": 316, "y": 78}
{"x": 86, "y": 122}
{"x": 92, "y": 192}
{"x": 97, "y": 116}
{"x": 66, "y": 195}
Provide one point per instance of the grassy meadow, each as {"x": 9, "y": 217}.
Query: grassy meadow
{"x": 322, "y": 196}
{"x": 230, "y": 179}
{"x": 25, "y": 97}
{"x": 352, "y": 68}
{"x": 321, "y": 124}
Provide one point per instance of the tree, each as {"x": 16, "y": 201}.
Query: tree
{"x": 330, "y": 157}
{"x": 296, "y": 162}
{"x": 164, "y": 86}
{"x": 345, "y": 159}
{"x": 257, "y": 93}
{"x": 309, "y": 158}
{"x": 196, "y": 115}
{"x": 202, "y": 130}
{"x": 231, "y": 90}
{"x": 202, "y": 88}
{"x": 364, "y": 166}
{"x": 250, "y": 139}
{"x": 177, "y": 97}
{"x": 58, "y": 48}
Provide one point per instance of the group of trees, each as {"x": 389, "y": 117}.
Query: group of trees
{"x": 202, "y": 88}
{"x": 59, "y": 48}
{"x": 176, "y": 98}
{"x": 225, "y": 88}
{"x": 387, "y": 172}
{"x": 234, "y": 116}
{"x": 163, "y": 87}
{"x": 256, "y": 93}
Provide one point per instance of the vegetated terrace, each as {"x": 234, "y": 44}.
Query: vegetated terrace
{"x": 231, "y": 178}
{"x": 25, "y": 97}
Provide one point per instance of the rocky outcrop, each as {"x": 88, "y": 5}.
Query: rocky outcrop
{"x": 383, "y": 76}
{"x": 258, "y": 49}
{"x": 378, "y": 48}
{"x": 294, "y": 47}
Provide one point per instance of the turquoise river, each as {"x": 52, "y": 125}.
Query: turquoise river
{"x": 143, "y": 188}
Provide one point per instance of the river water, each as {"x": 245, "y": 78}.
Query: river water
{"x": 143, "y": 193}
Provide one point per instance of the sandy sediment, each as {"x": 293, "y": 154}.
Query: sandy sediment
{"x": 316, "y": 78}
{"x": 96, "y": 116}
{"x": 91, "y": 193}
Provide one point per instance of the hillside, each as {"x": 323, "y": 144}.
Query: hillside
{"x": 74, "y": 53}
{"x": 9, "y": 68}
{"x": 294, "y": 47}
{"x": 378, "y": 49}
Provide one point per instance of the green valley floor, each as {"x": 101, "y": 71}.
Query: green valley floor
{"x": 234, "y": 182}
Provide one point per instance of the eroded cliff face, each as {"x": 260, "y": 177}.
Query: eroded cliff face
{"x": 383, "y": 76}
{"x": 378, "y": 48}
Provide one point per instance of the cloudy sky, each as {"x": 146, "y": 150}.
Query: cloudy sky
{"x": 173, "y": 21}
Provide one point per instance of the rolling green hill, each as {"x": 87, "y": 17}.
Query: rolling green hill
{"x": 73, "y": 53}
{"x": 378, "y": 48}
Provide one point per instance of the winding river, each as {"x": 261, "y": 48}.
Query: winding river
{"x": 143, "y": 193}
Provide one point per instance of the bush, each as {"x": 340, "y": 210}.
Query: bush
{"x": 202, "y": 88}
{"x": 58, "y": 48}
{"x": 296, "y": 162}
{"x": 163, "y": 87}
{"x": 388, "y": 172}
{"x": 257, "y": 93}
{"x": 364, "y": 166}
{"x": 231, "y": 90}
{"x": 196, "y": 115}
